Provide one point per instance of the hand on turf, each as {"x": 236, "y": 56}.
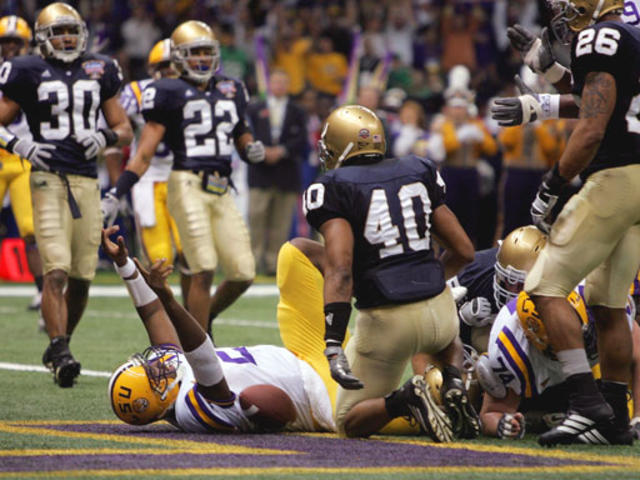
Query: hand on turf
{"x": 156, "y": 276}
{"x": 340, "y": 370}
{"x": 511, "y": 425}
{"x": 117, "y": 252}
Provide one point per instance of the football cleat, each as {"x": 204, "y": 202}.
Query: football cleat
{"x": 35, "y": 302}
{"x": 55, "y": 23}
{"x": 464, "y": 419}
{"x": 350, "y": 131}
{"x": 423, "y": 408}
{"x": 57, "y": 358}
{"x": 578, "y": 428}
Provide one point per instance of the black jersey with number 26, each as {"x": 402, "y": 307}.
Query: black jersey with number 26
{"x": 200, "y": 125}
{"x": 61, "y": 102}
{"x": 614, "y": 48}
{"x": 389, "y": 206}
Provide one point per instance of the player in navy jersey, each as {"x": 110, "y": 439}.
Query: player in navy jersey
{"x": 61, "y": 92}
{"x": 201, "y": 118}
{"x": 377, "y": 217}
{"x": 596, "y": 234}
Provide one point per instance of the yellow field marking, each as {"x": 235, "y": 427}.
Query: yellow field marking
{"x": 312, "y": 470}
{"x": 514, "y": 450}
{"x": 34, "y": 452}
{"x": 192, "y": 446}
{"x": 69, "y": 422}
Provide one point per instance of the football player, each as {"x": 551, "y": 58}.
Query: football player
{"x": 159, "y": 384}
{"x": 520, "y": 367}
{"x": 597, "y": 231}
{"x": 158, "y": 232}
{"x": 200, "y": 116}
{"x": 15, "y": 38}
{"x": 61, "y": 92}
{"x": 377, "y": 217}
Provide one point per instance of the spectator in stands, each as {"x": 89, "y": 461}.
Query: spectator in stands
{"x": 274, "y": 184}
{"x": 326, "y": 68}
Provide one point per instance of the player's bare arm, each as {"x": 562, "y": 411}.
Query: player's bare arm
{"x": 8, "y": 110}
{"x": 338, "y": 280}
{"x": 192, "y": 337}
{"x": 597, "y": 105}
{"x": 450, "y": 234}
{"x": 500, "y": 417}
{"x": 150, "y": 138}
{"x": 117, "y": 120}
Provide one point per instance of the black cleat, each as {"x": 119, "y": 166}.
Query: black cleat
{"x": 57, "y": 358}
{"x": 583, "y": 429}
{"x": 432, "y": 420}
{"x": 465, "y": 420}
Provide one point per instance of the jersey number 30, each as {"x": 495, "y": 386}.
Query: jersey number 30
{"x": 379, "y": 228}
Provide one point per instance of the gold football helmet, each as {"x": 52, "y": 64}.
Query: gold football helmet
{"x": 533, "y": 326}
{"x": 14, "y": 27}
{"x": 56, "y": 22}
{"x": 195, "y": 51}
{"x": 159, "y": 60}
{"x": 516, "y": 255}
{"x": 144, "y": 388}
{"x": 575, "y": 15}
{"x": 350, "y": 131}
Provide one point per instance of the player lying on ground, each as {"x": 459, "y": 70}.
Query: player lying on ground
{"x": 520, "y": 367}
{"x": 247, "y": 389}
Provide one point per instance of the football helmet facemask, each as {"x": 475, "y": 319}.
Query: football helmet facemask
{"x": 16, "y": 28}
{"x": 159, "y": 60}
{"x": 350, "y": 131}
{"x": 575, "y": 15}
{"x": 534, "y": 328}
{"x": 57, "y": 22}
{"x": 195, "y": 51}
{"x": 144, "y": 388}
{"x": 516, "y": 255}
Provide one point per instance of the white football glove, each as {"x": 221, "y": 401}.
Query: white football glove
{"x": 511, "y": 426}
{"x": 109, "y": 205}
{"x": 340, "y": 370}
{"x": 93, "y": 144}
{"x": 536, "y": 52}
{"x": 512, "y": 111}
{"x": 36, "y": 153}
{"x": 255, "y": 151}
{"x": 476, "y": 312}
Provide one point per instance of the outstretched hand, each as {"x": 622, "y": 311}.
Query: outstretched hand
{"x": 115, "y": 251}
{"x": 156, "y": 276}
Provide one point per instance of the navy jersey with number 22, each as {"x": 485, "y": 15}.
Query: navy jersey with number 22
{"x": 389, "y": 206}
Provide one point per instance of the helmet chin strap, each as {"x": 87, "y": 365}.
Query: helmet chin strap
{"x": 596, "y": 12}
{"x": 345, "y": 153}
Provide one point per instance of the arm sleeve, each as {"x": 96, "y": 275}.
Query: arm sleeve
{"x": 156, "y": 104}
{"x": 435, "y": 184}
{"x": 12, "y": 81}
{"x": 111, "y": 80}
{"x": 242, "y": 101}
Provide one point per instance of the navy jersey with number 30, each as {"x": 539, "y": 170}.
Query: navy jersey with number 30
{"x": 389, "y": 206}
{"x": 61, "y": 102}
{"x": 614, "y": 48}
{"x": 200, "y": 125}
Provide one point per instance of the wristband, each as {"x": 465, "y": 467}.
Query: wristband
{"x": 550, "y": 105}
{"x": 336, "y": 319}
{"x": 554, "y": 73}
{"x": 127, "y": 180}
{"x": 140, "y": 292}
{"x": 110, "y": 137}
{"x": 205, "y": 364}
{"x": 127, "y": 270}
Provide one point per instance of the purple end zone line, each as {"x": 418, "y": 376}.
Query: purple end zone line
{"x": 315, "y": 452}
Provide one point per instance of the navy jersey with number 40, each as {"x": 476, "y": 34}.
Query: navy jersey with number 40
{"x": 200, "y": 125}
{"x": 614, "y": 48}
{"x": 389, "y": 206}
{"x": 61, "y": 102}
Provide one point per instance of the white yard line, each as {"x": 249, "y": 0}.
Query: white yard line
{"x": 39, "y": 368}
{"x": 121, "y": 291}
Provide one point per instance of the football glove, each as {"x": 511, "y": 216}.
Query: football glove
{"x": 93, "y": 144}
{"x": 536, "y": 52}
{"x": 109, "y": 205}
{"x": 546, "y": 198}
{"x": 255, "y": 152}
{"x": 340, "y": 370}
{"x": 520, "y": 110}
{"x": 36, "y": 153}
{"x": 476, "y": 312}
{"x": 507, "y": 428}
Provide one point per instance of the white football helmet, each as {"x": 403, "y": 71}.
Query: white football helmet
{"x": 56, "y": 22}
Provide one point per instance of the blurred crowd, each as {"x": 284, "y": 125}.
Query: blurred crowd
{"x": 429, "y": 68}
